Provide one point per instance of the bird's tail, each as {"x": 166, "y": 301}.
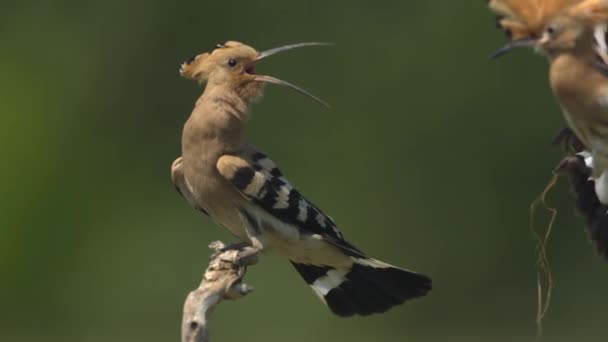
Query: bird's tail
{"x": 369, "y": 286}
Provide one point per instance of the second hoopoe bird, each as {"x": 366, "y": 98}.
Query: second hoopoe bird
{"x": 572, "y": 35}
{"x": 243, "y": 190}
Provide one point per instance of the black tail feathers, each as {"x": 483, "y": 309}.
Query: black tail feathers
{"x": 368, "y": 287}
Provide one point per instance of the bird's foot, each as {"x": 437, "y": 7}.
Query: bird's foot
{"x": 245, "y": 254}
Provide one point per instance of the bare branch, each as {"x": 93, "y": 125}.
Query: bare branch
{"x": 222, "y": 280}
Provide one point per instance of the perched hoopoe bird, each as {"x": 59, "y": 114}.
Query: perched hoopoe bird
{"x": 243, "y": 190}
{"x": 572, "y": 34}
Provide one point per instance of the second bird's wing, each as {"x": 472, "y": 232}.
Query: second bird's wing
{"x": 259, "y": 179}
{"x": 578, "y": 166}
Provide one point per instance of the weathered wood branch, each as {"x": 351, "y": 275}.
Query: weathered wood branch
{"x": 222, "y": 280}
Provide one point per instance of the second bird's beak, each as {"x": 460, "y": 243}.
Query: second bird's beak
{"x": 525, "y": 42}
{"x": 270, "y": 79}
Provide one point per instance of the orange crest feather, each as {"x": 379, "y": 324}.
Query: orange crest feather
{"x": 593, "y": 12}
{"x": 526, "y": 18}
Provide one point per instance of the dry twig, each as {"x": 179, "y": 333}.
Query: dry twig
{"x": 222, "y": 280}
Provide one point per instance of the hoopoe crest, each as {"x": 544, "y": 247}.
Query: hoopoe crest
{"x": 550, "y": 26}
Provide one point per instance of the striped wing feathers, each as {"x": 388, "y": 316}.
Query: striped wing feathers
{"x": 259, "y": 179}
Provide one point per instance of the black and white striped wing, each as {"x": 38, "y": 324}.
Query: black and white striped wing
{"x": 356, "y": 285}
{"x": 259, "y": 179}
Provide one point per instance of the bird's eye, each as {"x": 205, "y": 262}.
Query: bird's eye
{"x": 551, "y": 30}
{"x": 232, "y": 63}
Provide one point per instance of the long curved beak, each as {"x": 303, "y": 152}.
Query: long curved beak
{"x": 274, "y": 80}
{"x": 526, "y": 42}
{"x": 288, "y": 47}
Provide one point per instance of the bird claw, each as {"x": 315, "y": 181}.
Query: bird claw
{"x": 219, "y": 247}
{"x": 244, "y": 254}
{"x": 238, "y": 290}
{"x": 234, "y": 246}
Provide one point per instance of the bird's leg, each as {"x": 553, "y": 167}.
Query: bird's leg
{"x": 254, "y": 229}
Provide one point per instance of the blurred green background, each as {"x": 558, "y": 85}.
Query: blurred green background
{"x": 428, "y": 159}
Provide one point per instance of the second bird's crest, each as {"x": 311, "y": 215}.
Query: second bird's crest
{"x": 551, "y": 26}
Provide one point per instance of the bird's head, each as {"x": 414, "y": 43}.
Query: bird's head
{"x": 560, "y": 34}
{"x": 232, "y": 65}
{"x": 548, "y": 26}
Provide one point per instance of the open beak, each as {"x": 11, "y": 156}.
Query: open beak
{"x": 284, "y": 48}
{"x": 273, "y": 80}
{"x": 525, "y": 42}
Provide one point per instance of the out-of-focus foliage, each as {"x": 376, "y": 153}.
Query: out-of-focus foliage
{"x": 428, "y": 159}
